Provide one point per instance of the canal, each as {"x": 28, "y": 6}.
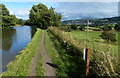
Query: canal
{"x": 13, "y": 41}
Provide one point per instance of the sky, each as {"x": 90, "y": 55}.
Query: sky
{"x": 69, "y": 10}
{"x": 60, "y": 0}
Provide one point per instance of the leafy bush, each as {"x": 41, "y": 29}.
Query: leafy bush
{"x": 107, "y": 28}
{"x": 82, "y": 27}
{"x": 117, "y": 27}
{"x": 66, "y": 28}
{"x": 109, "y": 36}
{"x": 74, "y": 27}
{"x": 21, "y": 22}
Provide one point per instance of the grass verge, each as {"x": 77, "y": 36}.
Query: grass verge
{"x": 40, "y": 69}
{"x": 52, "y": 52}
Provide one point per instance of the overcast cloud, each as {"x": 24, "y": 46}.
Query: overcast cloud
{"x": 69, "y": 10}
{"x": 77, "y": 10}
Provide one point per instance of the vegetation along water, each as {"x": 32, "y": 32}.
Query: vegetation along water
{"x": 45, "y": 45}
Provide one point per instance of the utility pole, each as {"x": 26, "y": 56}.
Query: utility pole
{"x": 87, "y": 52}
{"x": 87, "y": 59}
{"x": 87, "y": 31}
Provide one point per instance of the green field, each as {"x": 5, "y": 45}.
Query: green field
{"x": 95, "y": 41}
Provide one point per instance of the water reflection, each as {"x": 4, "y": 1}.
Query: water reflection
{"x": 7, "y": 35}
{"x": 33, "y": 30}
{"x": 13, "y": 41}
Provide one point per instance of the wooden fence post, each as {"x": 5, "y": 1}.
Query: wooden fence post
{"x": 87, "y": 58}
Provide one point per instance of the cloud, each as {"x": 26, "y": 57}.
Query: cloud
{"x": 21, "y": 9}
{"x": 78, "y": 10}
{"x": 20, "y": 13}
{"x": 69, "y": 10}
{"x": 49, "y": 4}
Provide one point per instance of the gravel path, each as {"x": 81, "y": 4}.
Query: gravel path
{"x": 49, "y": 70}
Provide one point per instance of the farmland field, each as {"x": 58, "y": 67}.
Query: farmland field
{"x": 95, "y": 41}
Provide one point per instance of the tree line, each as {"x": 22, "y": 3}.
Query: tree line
{"x": 40, "y": 16}
{"x": 8, "y": 19}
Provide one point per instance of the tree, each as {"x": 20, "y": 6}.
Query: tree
{"x": 7, "y": 19}
{"x": 117, "y": 27}
{"x": 81, "y": 27}
{"x": 74, "y": 27}
{"x": 107, "y": 28}
{"x": 43, "y": 17}
{"x": 5, "y": 11}
{"x": 21, "y": 22}
{"x": 109, "y": 36}
{"x": 27, "y": 22}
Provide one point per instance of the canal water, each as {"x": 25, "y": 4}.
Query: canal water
{"x": 13, "y": 41}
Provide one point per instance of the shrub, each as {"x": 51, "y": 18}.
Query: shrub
{"x": 117, "y": 27}
{"x": 82, "y": 27}
{"x": 109, "y": 36}
{"x": 74, "y": 27}
{"x": 66, "y": 28}
{"x": 107, "y": 28}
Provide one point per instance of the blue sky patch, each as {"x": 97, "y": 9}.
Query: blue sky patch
{"x": 69, "y": 10}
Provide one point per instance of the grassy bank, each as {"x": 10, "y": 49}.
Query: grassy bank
{"x": 71, "y": 56}
{"x": 21, "y": 64}
{"x": 53, "y": 53}
{"x": 17, "y": 25}
{"x": 102, "y": 63}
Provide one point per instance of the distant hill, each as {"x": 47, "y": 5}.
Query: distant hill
{"x": 112, "y": 20}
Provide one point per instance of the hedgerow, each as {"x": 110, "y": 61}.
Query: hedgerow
{"x": 101, "y": 63}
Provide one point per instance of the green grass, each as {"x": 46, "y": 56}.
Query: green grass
{"x": 54, "y": 56}
{"x": 102, "y": 60}
{"x": 17, "y": 25}
{"x": 22, "y": 63}
{"x": 40, "y": 69}
{"x": 95, "y": 41}
{"x": 82, "y": 34}
{"x": 69, "y": 51}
